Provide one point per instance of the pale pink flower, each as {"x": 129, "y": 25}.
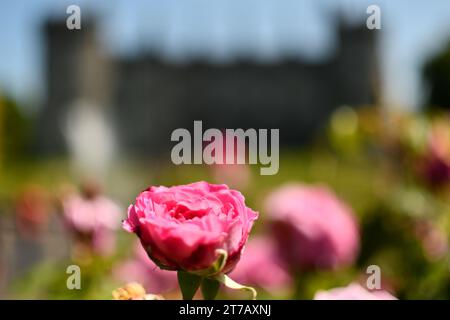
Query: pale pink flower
{"x": 261, "y": 266}
{"x": 233, "y": 175}
{"x": 94, "y": 219}
{"x": 434, "y": 240}
{"x": 230, "y": 172}
{"x": 353, "y": 291}
{"x": 140, "y": 268}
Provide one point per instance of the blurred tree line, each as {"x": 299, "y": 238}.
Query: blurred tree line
{"x": 15, "y": 131}
{"x": 436, "y": 73}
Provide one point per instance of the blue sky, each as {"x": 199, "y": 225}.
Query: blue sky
{"x": 411, "y": 32}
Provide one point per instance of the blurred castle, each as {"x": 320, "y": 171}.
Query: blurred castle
{"x": 147, "y": 97}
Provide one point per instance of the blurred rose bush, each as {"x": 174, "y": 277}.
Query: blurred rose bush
{"x": 390, "y": 171}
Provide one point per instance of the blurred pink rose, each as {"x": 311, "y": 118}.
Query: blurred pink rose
{"x": 182, "y": 227}
{"x": 93, "y": 220}
{"x": 234, "y": 175}
{"x": 32, "y": 209}
{"x": 434, "y": 240}
{"x": 141, "y": 269}
{"x": 353, "y": 291}
{"x": 230, "y": 172}
{"x": 313, "y": 228}
{"x": 436, "y": 161}
{"x": 260, "y": 266}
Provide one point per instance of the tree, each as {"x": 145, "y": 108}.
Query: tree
{"x": 436, "y": 73}
{"x": 14, "y": 130}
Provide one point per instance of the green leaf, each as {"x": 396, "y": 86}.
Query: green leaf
{"x": 230, "y": 283}
{"x": 210, "y": 288}
{"x": 189, "y": 284}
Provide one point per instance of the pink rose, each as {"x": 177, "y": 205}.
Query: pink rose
{"x": 261, "y": 266}
{"x": 89, "y": 215}
{"x": 32, "y": 208}
{"x": 232, "y": 174}
{"x": 182, "y": 227}
{"x": 142, "y": 270}
{"x": 434, "y": 240}
{"x": 435, "y": 163}
{"x": 353, "y": 291}
{"x": 313, "y": 228}
{"x": 93, "y": 220}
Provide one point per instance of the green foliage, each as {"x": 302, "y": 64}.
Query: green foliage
{"x": 437, "y": 75}
{"x": 210, "y": 288}
{"x": 15, "y": 131}
{"x": 189, "y": 284}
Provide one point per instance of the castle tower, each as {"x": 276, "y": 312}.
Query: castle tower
{"x": 75, "y": 68}
{"x": 356, "y": 64}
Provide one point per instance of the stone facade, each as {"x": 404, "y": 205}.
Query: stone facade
{"x": 148, "y": 97}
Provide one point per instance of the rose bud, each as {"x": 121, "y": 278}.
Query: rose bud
{"x": 191, "y": 227}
